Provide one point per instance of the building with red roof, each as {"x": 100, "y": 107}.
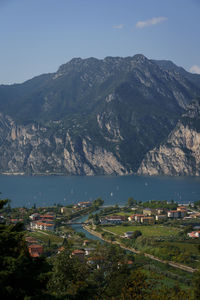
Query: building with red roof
{"x": 35, "y": 250}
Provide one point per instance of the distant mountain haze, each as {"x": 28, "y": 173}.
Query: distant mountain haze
{"x": 96, "y": 117}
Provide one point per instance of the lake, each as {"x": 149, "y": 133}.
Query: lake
{"x": 48, "y": 190}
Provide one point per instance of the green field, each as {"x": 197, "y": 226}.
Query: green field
{"x": 127, "y": 214}
{"x": 149, "y": 230}
{"x": 192, "y": 248}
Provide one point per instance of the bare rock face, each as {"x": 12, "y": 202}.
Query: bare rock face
{"x": 179, "y": 155}
{"x": 32, "y": 149}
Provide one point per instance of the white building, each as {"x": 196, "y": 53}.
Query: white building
{"x": 41, "y": 226}
{"x": 160, "y": 217}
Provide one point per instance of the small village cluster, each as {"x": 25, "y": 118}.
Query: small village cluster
{"x": 149, "y": 216}
{"x": 42, "y": 222}
{"x": 46, "y": 222}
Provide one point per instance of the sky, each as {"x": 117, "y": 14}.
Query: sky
{"x": 37, "y": 36}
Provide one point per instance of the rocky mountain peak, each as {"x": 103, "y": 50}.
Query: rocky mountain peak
{"x": 140, "y": 58}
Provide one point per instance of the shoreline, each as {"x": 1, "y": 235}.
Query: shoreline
{"x": 96, "y": 175}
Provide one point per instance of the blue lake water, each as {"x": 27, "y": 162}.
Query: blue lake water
{"x": 48, "y": 190}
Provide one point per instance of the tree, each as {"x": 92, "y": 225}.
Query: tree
{"x": 111, "y": 273}
{"x": 136, "y": 287}
{"x": 196, "y": 283}
{"x": 188, "y": 228}
{"x": 136, "y": 234}
{"x": 65, "y": 243}
{"x": 70, "y": 278}
{"x": 98, "y": 202}
{"x": 131, "y": 202}
{"x": 96, "y": 219}
{"x": 3, "y": 203}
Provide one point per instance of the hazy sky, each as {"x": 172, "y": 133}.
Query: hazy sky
{"x": 36, "y": 36}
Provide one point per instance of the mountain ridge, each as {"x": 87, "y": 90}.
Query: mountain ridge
{"x": 92, "y": 116}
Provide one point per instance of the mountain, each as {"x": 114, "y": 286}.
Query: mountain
{"x": 92, "y": 116}
{"x": 171, "y": 67}
{"x": 180, "y": 153}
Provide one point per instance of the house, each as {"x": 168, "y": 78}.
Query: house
{"x": 147, "y": 211}
{"x": 159, "y": 211}
{"x": 194, "y": 234}
{"x": 85, "y": 204}
{"x": 115, "y": 219}
{"x": 181, "y": 208}
{"x": 86, "y": 243}
{"x": 138, "y": 217}
{"x": 128, "y": 234}
{"x": 135, "y": 217}
{"x": 63, "y": 210}
{"x": 49, "y": 221}
{"x": 147, "y": 220}
{"x": 176, "y": 213}
{"x": 41, "y": 226}
{"x": 97, "y": 261}
{"x": 61, "y": 249}
{"x": 160, "y": 217}
{"x": 173, "y": 214}
{"x": 134, "y": 208}
{"x": 182, "y": 212}
{"x": 88, "y": 251}
{"x": 35, "y": 250}
{"x": 75, "y": 206}
{"x": 47, "y": 217}
{"x": 130, "y": 263}
{"x": 49, "y": 227}
{"x": 103, "y": 221}
{"x": 34, "y": 217}
{"x": 194, "y": 215}
{"x": 131, "y": 218}
{"x": 80, "y": 254}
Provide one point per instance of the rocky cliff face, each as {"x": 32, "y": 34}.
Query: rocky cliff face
{"x": 35, "y": 149}
{"x": 180, "y": 153}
